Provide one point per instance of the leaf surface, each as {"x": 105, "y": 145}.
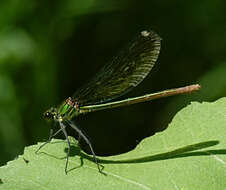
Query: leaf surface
{"x": 189, "y": 154}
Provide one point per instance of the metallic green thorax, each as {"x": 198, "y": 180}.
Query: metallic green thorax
{"x": 67, "y": 111}
{"x": 63, "y": 112}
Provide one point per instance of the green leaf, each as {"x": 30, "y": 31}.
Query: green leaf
{"x": 189, "y": 154}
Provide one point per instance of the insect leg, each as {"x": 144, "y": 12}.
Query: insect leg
{"x": 62, "y": 126}
{"x": 81, "y": 134}
{"x": 50, "y": 138}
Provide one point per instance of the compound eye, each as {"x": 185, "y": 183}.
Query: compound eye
{"x": 48, "y": 115}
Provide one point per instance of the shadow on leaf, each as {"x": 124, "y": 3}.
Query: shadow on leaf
{"x": 186, "y": 151}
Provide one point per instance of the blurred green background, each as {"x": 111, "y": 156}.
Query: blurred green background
{"x": 48, "y": 49}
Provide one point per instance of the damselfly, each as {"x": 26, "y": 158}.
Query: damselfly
{"x": 120, "y": 75}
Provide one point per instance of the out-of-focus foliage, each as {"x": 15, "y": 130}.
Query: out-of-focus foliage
{"x": 48, "y": 49}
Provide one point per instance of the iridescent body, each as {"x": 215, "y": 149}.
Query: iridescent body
{"x": 120, "y": 75}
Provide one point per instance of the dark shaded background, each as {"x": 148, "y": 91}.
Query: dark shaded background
{"x": 48, "y": 49}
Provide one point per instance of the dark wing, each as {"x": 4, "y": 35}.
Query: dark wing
{"x": 123, "y": 72}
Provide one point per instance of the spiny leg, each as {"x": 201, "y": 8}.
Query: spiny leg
{"x": 62, "y": 126}
{"x": 50, "y": 138}
{"x": 81, "y": 134}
